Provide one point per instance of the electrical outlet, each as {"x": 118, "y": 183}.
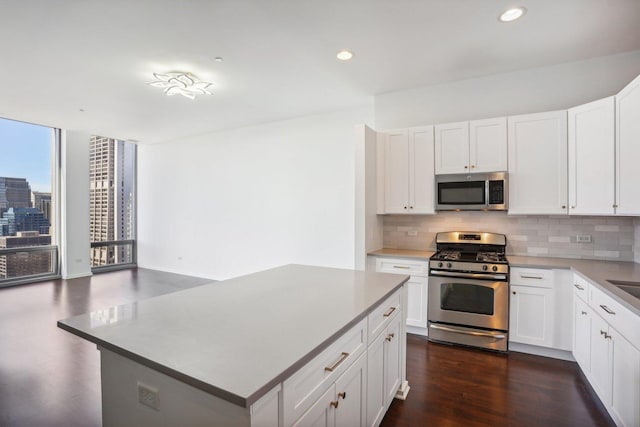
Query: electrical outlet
{"x": 583, "y": 238}
{"x": 148, "y": 396}
{"x": 412, "y": 233}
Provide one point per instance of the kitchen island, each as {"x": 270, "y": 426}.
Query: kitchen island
{"x": 269, "y": 348}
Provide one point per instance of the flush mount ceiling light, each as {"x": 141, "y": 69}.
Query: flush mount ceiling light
{"x": 344, "y": 55}
{"x": 180, "y": 83}
{"x": 512, "y": 14}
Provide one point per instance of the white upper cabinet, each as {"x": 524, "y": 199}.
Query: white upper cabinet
{"x": 408, "y": 171}
{"x": 488, "y": 145}
{"x": 591, "y": 158}
{"x": 452, "y": 148}
{"x": 475, "y": 146}
{"x": 537, "y": 148}
{"x": 628, "y": 149}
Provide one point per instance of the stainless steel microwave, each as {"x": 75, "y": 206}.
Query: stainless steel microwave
{"x": 472, "y": 192}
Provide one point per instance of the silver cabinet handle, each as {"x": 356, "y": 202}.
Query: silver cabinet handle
{"x": 343, "y": 357}
{"x": 404, "y": 267}
{"x": 531, "y": 277}
{"x": 388, "y": 312}
{"x": 579, "y": 287}
{"x": 607, "y": 309}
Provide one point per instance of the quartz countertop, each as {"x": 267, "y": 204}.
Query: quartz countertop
{"x": 239, "y": 338}
{"x": 595, "y": 271}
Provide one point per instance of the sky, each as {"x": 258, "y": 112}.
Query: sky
{"x": 26, "y": 152}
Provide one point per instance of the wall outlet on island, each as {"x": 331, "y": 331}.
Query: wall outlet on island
{"x": 413, "y": 233}
{"x": 148, "y": 396}
{"x": 583, "y": 238}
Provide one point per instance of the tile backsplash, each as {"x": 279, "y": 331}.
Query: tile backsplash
{"x": 612, "y": 238}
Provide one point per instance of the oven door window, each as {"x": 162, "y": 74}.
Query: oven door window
{"x": 467, "y": 298}
{"x": 462, "y": 193}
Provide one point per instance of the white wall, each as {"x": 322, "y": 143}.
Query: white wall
{"x": 233, "y": 202}
{"x": 74, "y": 189}
{"x": 528, "y": 91}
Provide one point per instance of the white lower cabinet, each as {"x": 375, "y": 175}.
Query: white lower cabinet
{"x": 384, "y": 371}
{"x": 343, "y": 404}
{"x": 609, "y": 359}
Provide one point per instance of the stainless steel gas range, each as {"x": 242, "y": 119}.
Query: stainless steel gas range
{"x": 469, "y": 290}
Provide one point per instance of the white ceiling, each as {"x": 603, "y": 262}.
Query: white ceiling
{"x": 60, "y": 57}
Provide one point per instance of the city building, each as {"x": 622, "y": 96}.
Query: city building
{"x": 22, "y": 264}
{"x": 14, "y": 193}
{"x": 15, "y": 220}
{"x": 111, "y": 169}
{"x": 42, "y": 202}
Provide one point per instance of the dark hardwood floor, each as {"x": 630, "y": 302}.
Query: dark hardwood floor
{"x": 457, "y": 386}
{"x": 49, "y": 377}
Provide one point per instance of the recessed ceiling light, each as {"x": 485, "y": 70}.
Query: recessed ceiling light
{"x": 344, "y": 55}
{"x": 512, "y": 14}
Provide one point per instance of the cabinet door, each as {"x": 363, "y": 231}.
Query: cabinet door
{"x": 531, "y": 315}
{"x": 375, "y": 380}
{"x": 591, "y": 149}
{"x": 601, "y": 371}
{"x": 582, "y": 335}
{"x": 421, "y": 171}
{"x": 628, "y": 149}
{"x": 452, "y": 148}
{"x": 417, "y": 301}
{"x": 625, "y": 390}
{"x": 488, "y": 145}
{"x": 396, "y": 172}
{"x": 392, "y": 366}
{"x": 321, "y": 413}
{"x": 350, "y": 395}
{"x": 537, "y": 147}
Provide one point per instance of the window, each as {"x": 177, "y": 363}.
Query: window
{"x": 112, "y": 170}
{"x": 28, "y": 159}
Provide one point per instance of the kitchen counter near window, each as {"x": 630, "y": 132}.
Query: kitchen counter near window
{"x": 239, "y": 338}
{"x": 598, "y": 272}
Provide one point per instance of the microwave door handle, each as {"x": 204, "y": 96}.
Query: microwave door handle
{"x": 486, "y": 193}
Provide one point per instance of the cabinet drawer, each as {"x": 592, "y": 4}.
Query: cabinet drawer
{"x": 380, "y": 317}
{"x": 581, "y": 287}
{"x": 539, "y": 278}
{"x": 623, "y": 320}
{"x": 303, "y": 388}
{"x": 402, "y": 266}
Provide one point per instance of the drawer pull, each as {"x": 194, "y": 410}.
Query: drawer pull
{"x": 579, "y": 287}
{"x": 603, "y": 332}
{"x": 404, "y": 267}
{"x": 342, "y": 394}
{"x": 607, "y": 309}
{"x": 388, "y": 313}
{"x": 335, "y": 404}
{"x": 523, "y": 276}
{"x": 607, "y": 336}
{"x": 584, "y": 313}
{"x": 343, "y": 356}
{"x": 389, "y": 337}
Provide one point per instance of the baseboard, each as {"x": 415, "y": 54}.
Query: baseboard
{"x": 417, "y": 331}
{"x": 181, "y": 272}
{"x": 403, "y": 391}
{"x": 77, "y": 275}
{"x": 541, "y": 351}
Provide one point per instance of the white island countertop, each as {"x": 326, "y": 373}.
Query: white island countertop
{"x": 239, "y": 338}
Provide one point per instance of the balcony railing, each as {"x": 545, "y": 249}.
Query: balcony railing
{"x": 113, "y": 255}
{"x": 28, "y": 264}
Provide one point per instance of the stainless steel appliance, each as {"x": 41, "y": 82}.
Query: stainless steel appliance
{"x": 474, "y": 191}
{"x": 469, "y": 290}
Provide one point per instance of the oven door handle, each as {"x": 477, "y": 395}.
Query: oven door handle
{"x": 468, "y": 275}
{"x": 458, "y": 331}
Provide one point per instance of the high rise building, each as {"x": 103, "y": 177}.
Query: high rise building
{"x": 111, "y": 169}
{"x": 14, "y": 193}
{"x": 22, "y": 264}
{"x": 23, "y": 219}
{"x": 42, "y": 202}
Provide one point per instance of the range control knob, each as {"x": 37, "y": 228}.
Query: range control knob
{"x": 485, "y": 267}
{"x": 439, "y": 264}
{"x": 448, "y": 265}
{"x": 494, "y": 268}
